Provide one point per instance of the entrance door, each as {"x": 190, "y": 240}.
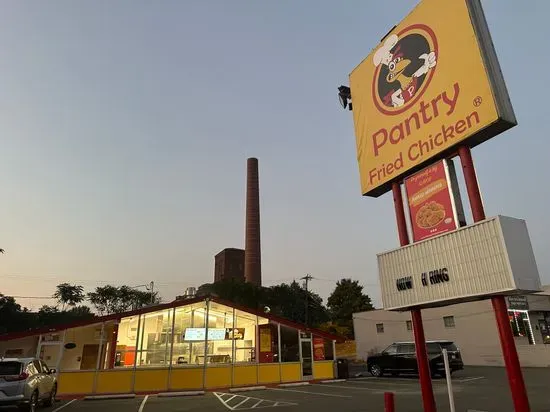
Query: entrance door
{"x": 306, "y": 358}
{"x": 89, "y": 357}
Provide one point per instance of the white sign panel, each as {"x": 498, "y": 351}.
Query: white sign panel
{"x": 487, "y": 258}
{"x": 198, "y": 334}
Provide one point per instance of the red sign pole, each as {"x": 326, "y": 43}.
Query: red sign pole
{"x": 509, "y": 351}
{"x": 418, "y": 328}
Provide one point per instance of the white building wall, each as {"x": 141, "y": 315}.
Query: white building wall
{"x": 475, "y": 332}
{"x": 26, "y": 345}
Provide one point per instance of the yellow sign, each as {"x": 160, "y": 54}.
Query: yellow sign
{"x": 432, "y": 83}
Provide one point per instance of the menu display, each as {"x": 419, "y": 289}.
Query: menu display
{"x": 198, "y": 334}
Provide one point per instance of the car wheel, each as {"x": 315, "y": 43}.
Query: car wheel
{"x": 33, "y": 403}
{"x": 375, "y": 370}
{"x": 51, "y": 399}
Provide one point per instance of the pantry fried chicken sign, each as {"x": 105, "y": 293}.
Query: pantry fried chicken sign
{"x": 431, "y": 84}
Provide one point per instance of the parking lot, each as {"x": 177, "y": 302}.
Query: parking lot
{"x": 475, "y": 389}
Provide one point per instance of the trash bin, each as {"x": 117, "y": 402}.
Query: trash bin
{"x": 342, "y": 369}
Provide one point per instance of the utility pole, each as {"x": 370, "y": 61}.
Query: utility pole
{"x": 152, "y": 288}
{"x": 306, "y": 280}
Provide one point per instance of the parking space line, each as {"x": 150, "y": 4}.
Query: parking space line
{"x": 64, "y": 405}
{"x": 310, "y": 392}
{"x": 142, "y": 406}
{"x": 470, "y": 379}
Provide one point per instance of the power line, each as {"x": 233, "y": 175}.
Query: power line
{"x": 28, "y": 297}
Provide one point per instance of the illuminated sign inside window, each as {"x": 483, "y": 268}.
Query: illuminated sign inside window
{"x": 198, "y": 334}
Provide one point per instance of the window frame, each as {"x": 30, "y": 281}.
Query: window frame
{"x": 451, "y": 324}
{"x": 380, "y": 330}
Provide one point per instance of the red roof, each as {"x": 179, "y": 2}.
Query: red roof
{"x": 170, "y": 305}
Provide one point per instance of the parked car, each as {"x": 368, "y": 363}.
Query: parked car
{"x": 26, "y": 382}
{"x": 400, "y": 357}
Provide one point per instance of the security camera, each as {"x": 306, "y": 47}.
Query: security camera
{"x": 267, "y": 309}
{"x": 344, "y": 95}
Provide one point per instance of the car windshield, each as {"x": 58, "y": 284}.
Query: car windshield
{"x": 450, "y": 346}
{"x": 10, "y": 368}
{"x": 433, "y": 348}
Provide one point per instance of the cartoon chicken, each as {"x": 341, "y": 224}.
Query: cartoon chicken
{"x": 394, "y": 58}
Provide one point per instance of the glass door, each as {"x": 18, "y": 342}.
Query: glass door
{"x": 306, "y": 355}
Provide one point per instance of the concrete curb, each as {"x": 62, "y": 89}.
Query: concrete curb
{"x": 292, "y": 385}
{"x": 101, "y": 397}
{"x": 247, "y": 389}
{"x": 177, "y": 394}
{"x": 334, "y": 381}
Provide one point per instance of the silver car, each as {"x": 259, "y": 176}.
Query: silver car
{"x": 26, "y": 382}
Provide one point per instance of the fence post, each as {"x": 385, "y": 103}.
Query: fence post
{"x": 389, "y": 404}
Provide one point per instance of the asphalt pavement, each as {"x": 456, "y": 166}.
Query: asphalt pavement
{"x": 480, "y": 389}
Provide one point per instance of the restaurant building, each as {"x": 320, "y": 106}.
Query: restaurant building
{"x": 195, "y": 344}
{"x": 470, "y": 325}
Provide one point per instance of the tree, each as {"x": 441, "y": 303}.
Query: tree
{"x": 346, "y": 299}
{"x": 111, "y": 299}
{"x": 289, "y": 300}
{"x": 51, "y": 315}
{"x": 285, "y": 300}
{"x": 69, "y": 295}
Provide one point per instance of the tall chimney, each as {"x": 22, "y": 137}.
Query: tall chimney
{"x": 252, "y": 250}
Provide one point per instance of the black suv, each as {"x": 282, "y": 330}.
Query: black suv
{"x": 401, "y": 357}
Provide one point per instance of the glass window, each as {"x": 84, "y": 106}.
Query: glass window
{"x": 379, "y": 328}
{"x": 391, "y": 350}
{"x": 188, "y": 339}
{"x": 221, "y": 334}
{"x": 329, "y": 350}
{"x": 409, "y": 325}
{"x": 433, "y": 348}
{"x": 10, "y": 368}
{"x": 269, "y": 341}
{"x": 405, "y": 348}
{"x": 126, "y": 342}
{"x": 322, "y": 349}
{"x": 290, "y": 351}
{"x": 449, "y": 321}
{"x": 154, "y": 338}
{"x": 245, "y": 341}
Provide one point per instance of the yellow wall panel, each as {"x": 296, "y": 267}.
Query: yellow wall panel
{"x": 245, "y": 375}
{"x": 291, "y": 372}
{"x": 155, "y": 380}
{"x": 75, "y": 383}
{"x": 115, "y": 381}
{"x": 270, "y": 373}
{"x": 323, "y": 370}
{"x": 186, "y": 378}
{"x": 218, "y": 377}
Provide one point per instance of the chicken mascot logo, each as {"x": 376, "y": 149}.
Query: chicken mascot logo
{"x": 405, "y": 64}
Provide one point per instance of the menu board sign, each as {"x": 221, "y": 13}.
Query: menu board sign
{"x": 432, "y": 204}
{"x": 318, "y": 349}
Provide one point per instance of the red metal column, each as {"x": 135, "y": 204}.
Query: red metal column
{"x": 422, "y": 361}
{"x": 478, "y": 212}
{"x": 418, "y": 328}
{"x": 389, "y": 402}
{"x": 509, "y": 351}
{"x": 400, "y": 214}
{"x": 112, "y": 352}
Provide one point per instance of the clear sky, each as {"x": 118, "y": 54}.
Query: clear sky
{"x": 125, "y": 127}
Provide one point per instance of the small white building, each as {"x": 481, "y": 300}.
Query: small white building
{"x": 471, "y": 326}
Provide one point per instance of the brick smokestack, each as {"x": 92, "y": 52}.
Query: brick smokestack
{"x": 252, "y": 249}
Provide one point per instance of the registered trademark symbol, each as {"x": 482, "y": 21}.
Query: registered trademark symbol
{"x": 477, "y": 101}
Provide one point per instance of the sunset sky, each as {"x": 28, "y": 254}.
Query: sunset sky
{"x": 125, "y": 128}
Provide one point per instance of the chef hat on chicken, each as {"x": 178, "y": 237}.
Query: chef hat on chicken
{"x": 383, "y": 55}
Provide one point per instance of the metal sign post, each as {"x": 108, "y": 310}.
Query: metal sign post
{"x": 448, "y": 378}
